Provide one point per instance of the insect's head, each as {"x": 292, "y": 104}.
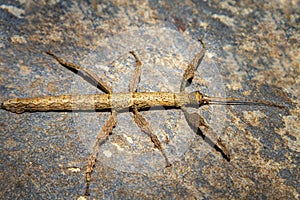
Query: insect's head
{"x": 200, "y": 98}
{"x": 203, "y": 99}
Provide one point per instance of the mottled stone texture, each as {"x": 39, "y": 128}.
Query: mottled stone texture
{"x": 256, "y": 48}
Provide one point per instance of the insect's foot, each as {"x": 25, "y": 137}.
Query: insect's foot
{"x": 168, "y": 165}
{"x": 87, "y": 193}
{"x": 220, "y": 146}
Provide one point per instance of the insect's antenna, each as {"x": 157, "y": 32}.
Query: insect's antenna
{"x": 207, "y": 100}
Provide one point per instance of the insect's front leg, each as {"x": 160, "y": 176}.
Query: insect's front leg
{"x": 194, "y": 120}
{"x": 136, "y": 76}
{"x": 192, "y": 67}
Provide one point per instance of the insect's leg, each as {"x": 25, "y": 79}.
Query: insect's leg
{"x": 84, "y": 73}
{"x": 145, "y": 127}
{"x": 100, "y": 139}
{"x": 192, "y": 67}
{"x": 138, "y": 118}
{"x": 135, "y": 79}
{"x": 195, "y": 121}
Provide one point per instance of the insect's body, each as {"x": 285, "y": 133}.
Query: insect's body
{"x": 92, "y": 102}
{"x": 131, "y": 100}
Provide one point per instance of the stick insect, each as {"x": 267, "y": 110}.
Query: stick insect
{"x": 135, "y": 101}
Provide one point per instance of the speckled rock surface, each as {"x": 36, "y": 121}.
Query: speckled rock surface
{"x": 252, "y": 52}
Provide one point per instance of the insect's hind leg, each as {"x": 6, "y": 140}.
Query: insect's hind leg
{"x": 142, "y": 123}
{"x": 87, "y": 75}
{"x": 100, "y": 139}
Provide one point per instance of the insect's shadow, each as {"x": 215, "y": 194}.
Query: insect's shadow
{"x": 195, "y": 129}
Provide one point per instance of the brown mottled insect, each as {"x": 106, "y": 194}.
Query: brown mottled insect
{"x": 133, "y": 100}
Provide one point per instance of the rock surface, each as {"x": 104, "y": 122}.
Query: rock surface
{"x": 252, "y": 53}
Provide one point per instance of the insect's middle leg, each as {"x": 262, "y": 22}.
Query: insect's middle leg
{"x": 146, "y": 128}
{"x": 138, "y": 118}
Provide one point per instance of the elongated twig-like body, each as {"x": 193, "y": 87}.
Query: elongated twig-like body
{"x": 131, "y": 100}
{"x": 119, "y": 101}
{"x": 115, "y": 101}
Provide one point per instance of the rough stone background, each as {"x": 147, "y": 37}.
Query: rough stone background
{"x": 42, "y": 156}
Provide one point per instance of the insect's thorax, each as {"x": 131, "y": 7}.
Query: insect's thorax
{"x": 142, "y": 100}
